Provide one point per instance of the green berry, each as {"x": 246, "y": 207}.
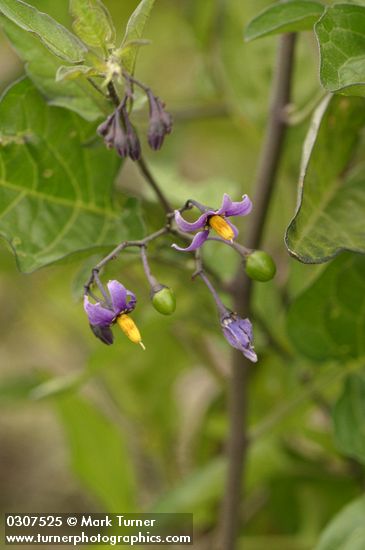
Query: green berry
{"x": 260, "y": 266}
{"x": 164, "y": 301}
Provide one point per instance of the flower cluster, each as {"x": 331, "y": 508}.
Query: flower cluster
{"x": 119, "y": 133}
{"x": 118, "y": 302}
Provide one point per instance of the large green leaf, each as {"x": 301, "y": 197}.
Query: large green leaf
{"x": 42, "y": 66}
{"x": 290, "y": 16}
{"x": 341, "y": 37}
{"x": 55, "y": 191}
{"x": 346, "y": 530}
{"x": 99, "y": 454}
{"x": 54, "y": 36}
{"x": 327, "y": 321}
{"x": 331, "y": 210}
{"x": 93, "y": 23}
{"x": 349, "y": 418}
{"x": 134, "y": 33}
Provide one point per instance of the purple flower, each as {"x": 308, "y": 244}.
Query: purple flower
{"x": 213, "y": 219}
{"x": 114, "y": 309}
{"x": 160, "y": 122}
{"x": 238, "y": 333}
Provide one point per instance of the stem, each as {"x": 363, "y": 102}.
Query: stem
{"x": 242, "y": 291}
{"x": 146, "y": 267}
{"x": 200, "y": 273}
{"x": 152, "y": 182}
{"x": 117, "y": 250}
{"x": 113, "y": 94}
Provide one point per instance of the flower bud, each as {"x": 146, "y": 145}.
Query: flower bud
{"x": 164, "y": 301}
{"x": 260, "y": 266}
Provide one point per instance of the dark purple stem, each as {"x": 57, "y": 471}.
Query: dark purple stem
{"x": 270, "y": 157}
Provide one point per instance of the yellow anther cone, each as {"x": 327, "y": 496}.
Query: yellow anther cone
{"x": 221, "y": 227}
{"x": 130, "y": 329}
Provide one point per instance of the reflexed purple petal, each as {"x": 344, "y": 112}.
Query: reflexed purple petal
{"x": 233, "y": 227}
{"x": 198, "y": 240}
{"x": 97, "y": 314}
{"x": 230, "y": 208}
{"x": 104, "y": 334}
{"x": 194, "y": 226}
{"x": 131, "y": 303}
{"x": 118, "y": 295}
{"x": 238, "y": 333}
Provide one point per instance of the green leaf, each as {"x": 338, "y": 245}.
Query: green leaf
{"x": 42, "y": 66}
{"x": 19, "y": 388}
{"x": 290, "y": 16}
{"x": 99, "y": 453}
{"x": 200, "y": 487}
{"x": 327, "y": 321}
{"x": 93, "y": 23}
{"x": 134, "y": 32}
{"x": 346, "y": 530}
{"x": 341, "y": 37}
{"x": 55, "y": 191}
{"x": 349, "y": 418}
{"x": 54, "y": 36}
{"x": 331, "y": 210}
{"x": 75, "y": 71}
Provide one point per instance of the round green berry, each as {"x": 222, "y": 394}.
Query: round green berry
{"x": 260, "y": 266}
{"x": 164, "y": 301}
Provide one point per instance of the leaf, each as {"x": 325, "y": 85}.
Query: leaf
{"x": 93, "y": 23}
{"x": 99, "y": 453}
{"x": 18, "y": 388}
{"x": 331, "y": 210}
{"x": 134, "y": 32}
{"x": 289, "y": 16}
{"x": 55, "y": 192}
{"x": 327, "y": 321}
{"x": 200, "y": 487}
{"x": 75, "y": 71}
{"x": 41, "y": 66}
{"x": 54, "y": 36}
{"x": 346, "y": 530}
{"x": 349, "y": 418}
{"x": 341, "y": 37}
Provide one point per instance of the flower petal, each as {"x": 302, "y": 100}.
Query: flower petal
{"x": 131, "y": 303}
{"x": 104, "y": 334}
{"x": 97, "y": 314}
{"x": 198, "y": 240}
{"x": 194, "y": 226}
{"x": 230, "y": 208}
{"x": 118, "y": 295}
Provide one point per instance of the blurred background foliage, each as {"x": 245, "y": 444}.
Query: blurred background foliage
{"x": 85, "y": 427}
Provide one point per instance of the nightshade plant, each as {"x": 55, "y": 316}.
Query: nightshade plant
{"x": 66, "y": 129}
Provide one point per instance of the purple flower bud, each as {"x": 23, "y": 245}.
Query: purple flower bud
{"x": 104, "y": 127}
{"x": 134, "y": 146}
{"x": 120, "y": 139}
{"x": 238, "y": 333}
{"x": 160, "y": 123}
